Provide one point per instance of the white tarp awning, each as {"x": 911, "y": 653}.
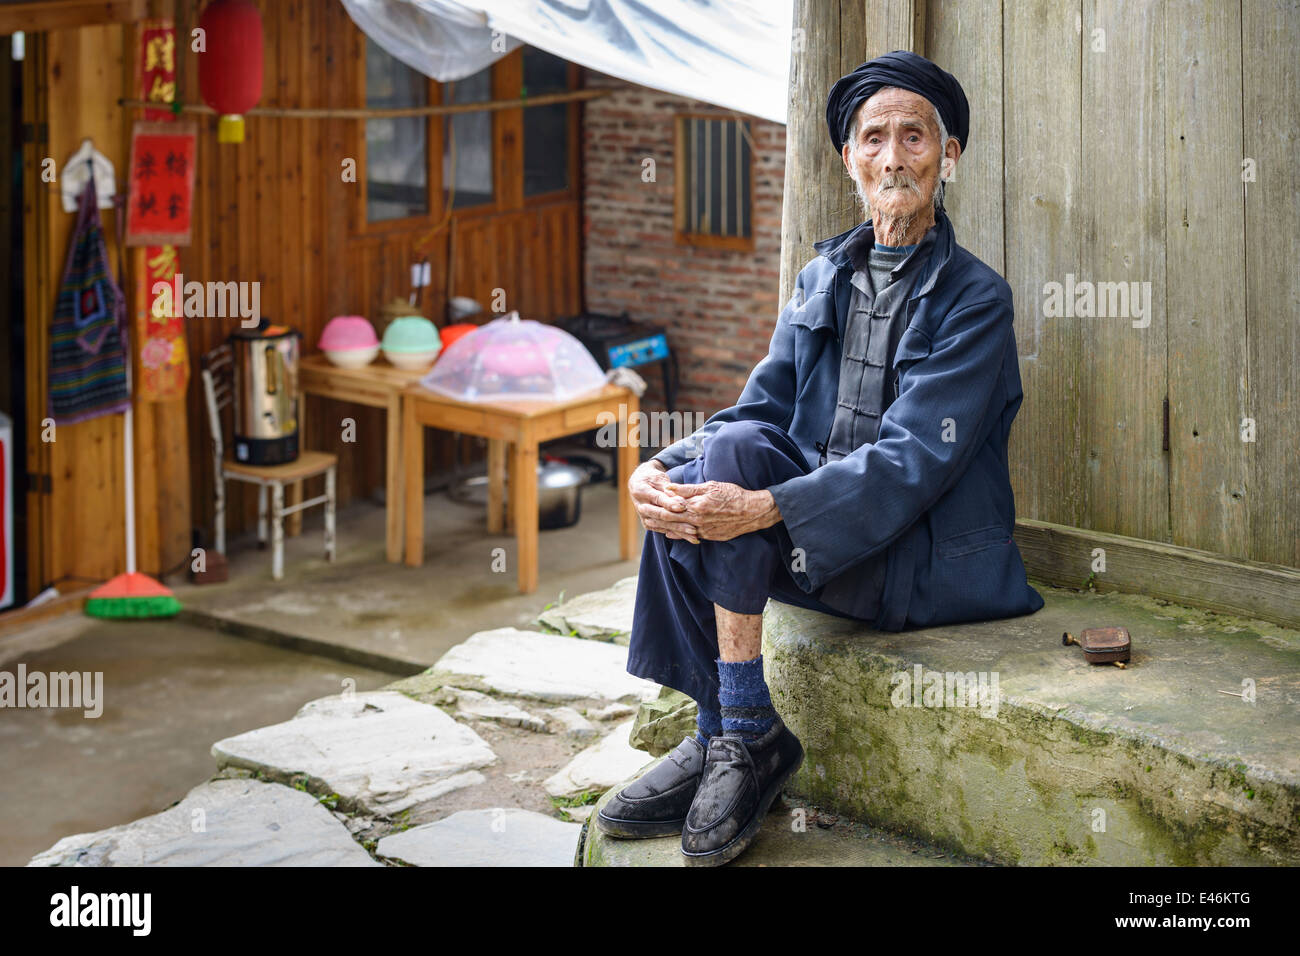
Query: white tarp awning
{"x": 731, "y": 53}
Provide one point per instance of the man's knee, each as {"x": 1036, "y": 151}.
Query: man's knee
{"x": 740, "y": 453}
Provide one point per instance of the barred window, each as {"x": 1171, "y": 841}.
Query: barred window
{"x": 714, "y": 181}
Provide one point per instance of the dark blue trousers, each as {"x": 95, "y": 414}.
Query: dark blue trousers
{"x": 674, "y": 640}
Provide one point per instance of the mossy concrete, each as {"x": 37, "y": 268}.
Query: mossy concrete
{"x": 1162, "y": 763}
{"x": 661, "y": 724}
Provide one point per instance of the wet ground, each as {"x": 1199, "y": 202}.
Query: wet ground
{"x": 169, "y": 692}
{"x": 394, "y": 615}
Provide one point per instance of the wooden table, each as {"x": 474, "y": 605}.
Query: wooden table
{"x": 521, "y": 426}
{"x": 378, "y": 385}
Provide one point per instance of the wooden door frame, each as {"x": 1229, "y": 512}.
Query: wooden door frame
{"x": 36, "y": 290}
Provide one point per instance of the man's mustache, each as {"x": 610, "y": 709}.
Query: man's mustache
{"x": 898, "y": 181}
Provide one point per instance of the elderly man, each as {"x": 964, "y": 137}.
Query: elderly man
{"x": 862, "y": 473}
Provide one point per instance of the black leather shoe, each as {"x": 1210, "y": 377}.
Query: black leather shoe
{"x": 741, "y": 779}
{"x": 655, "y": 803}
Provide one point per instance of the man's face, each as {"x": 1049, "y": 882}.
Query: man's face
{"x": 895, "y": 156}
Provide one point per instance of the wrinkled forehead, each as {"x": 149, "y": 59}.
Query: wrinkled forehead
{"x": 890, "y": 105}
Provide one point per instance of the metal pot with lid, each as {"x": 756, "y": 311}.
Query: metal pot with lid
{"x": 266, "y": 393}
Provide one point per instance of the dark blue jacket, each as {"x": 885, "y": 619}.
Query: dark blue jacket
{"x": 934, "y": 488}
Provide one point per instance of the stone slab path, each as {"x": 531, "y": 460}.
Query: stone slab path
{"x": 220, "y": 823}
{"x": 490, "y": 837}
{"x": 381, "y": 752}
{"x": 600, "y": 766}
{"x": 486, "y": 759}
{"x": 543, "y": 666}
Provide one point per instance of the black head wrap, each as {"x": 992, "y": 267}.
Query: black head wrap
{"x": 906, "y": 70}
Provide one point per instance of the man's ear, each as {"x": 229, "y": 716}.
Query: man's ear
{"x": 844, "y": 154}
{"x": 948, "y": 165}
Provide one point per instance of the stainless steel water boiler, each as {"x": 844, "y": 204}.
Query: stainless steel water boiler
{"x": 266, "y": 394}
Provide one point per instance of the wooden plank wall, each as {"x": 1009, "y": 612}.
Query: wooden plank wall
{"x": 1270, "y": 34}
{"x": 1207, "y": 321}
{"x": 1124, "y": 164}
{"x": 276, "y": 210}
{"x": 73, "y": 79}
{"x": 1048, "y": 454}
{"x": 532, "y": 282}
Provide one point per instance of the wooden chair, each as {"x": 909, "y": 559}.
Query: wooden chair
{"x": 218, "y": 390}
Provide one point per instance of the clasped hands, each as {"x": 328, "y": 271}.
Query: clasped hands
{"x": 710, "y": 511}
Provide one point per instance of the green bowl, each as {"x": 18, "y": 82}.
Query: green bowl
{"x": 411, "y": 333}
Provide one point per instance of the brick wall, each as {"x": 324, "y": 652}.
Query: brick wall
{"x": 719, "y": 306}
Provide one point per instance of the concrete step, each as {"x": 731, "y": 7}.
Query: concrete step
{"x": 1187, "y": 757}
{"x": 793, "y": 834}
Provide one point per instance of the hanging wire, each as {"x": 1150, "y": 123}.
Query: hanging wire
{"x": 359, "y": 112}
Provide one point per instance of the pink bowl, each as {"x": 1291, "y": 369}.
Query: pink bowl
{"x": 344, "y": 332}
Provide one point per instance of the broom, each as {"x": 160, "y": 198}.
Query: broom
{"x": 132, "y": 594}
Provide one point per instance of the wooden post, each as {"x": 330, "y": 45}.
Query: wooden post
{"x": 293, "y": 523}
{"x": 819, "y": 197}
{"x": 523, "y": 505}
{"x": 629, "y": 457}
{"x": 163, "y": 514}
{"x": 162, "y": 461}
{"x": 413, "y": 467}
{"x": 147, "y": 546}
{"x": 394, "y": 492}
{"x": 496, "y": 484}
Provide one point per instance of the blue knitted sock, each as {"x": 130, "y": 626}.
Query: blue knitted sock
{"x": 708, "y": 723}
{"x": 746, "y": 706}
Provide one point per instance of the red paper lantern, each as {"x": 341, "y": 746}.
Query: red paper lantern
{"x": 230, "y": 66}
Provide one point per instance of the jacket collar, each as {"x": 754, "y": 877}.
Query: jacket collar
{"x": 847, "y": 250}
